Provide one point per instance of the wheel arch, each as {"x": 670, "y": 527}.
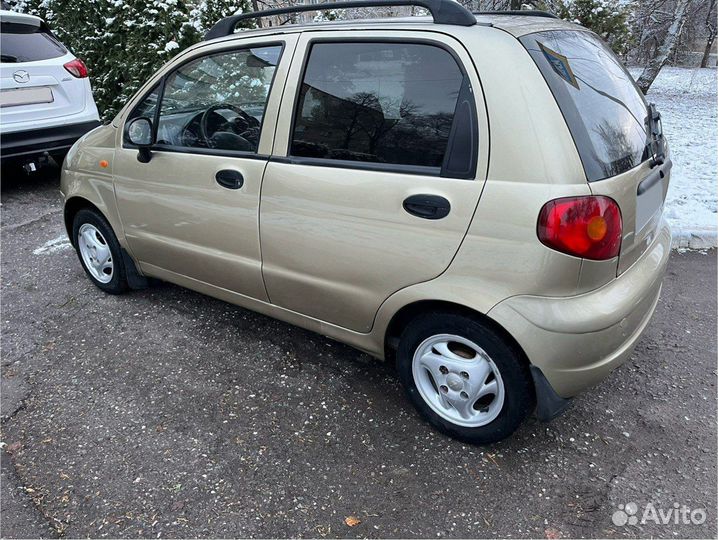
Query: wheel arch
{"x": 135, "y": 279}
{"x": 409, "y": 312}
{"x": 72, "y": 206}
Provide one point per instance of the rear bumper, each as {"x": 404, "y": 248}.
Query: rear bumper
{"x": 36, "y": 141}
{"x": 577, "y": 341}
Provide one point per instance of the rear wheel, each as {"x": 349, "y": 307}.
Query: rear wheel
{"x": 464, "y": 378}
{"x": 99, "y": 251}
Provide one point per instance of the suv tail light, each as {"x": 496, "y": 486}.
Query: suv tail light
{"x": 588, "y": 227}
{"x": 77, "y": 68}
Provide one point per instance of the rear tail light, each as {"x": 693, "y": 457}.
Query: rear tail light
{"x": 588, "y": 227}
{"x": 77, "y": 68}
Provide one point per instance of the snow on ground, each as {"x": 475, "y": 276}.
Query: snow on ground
{"x": 686, "y": 98}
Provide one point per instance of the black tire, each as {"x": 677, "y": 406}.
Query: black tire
{"x": 519, "y": 393}
{"x": 118, "y": 283}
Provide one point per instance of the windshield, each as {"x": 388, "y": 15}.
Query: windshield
{"x": 604, "y": 110}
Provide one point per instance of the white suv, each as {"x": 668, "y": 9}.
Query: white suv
{"x": 46, "y": 101}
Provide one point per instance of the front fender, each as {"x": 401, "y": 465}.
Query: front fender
{"x": 87, "y": 176}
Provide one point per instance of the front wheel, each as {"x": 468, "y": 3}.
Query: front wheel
{"x": 464, "y": 378}
{"x": 99, "y": 251}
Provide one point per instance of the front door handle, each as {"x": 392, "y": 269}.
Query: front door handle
{"x": 427, "y": 206}
{"x": 229, "y": 179}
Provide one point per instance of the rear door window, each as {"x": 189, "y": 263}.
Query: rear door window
{"x": 605, "y": 111}
{"x": 27, "y": 43}
{"x": 384, "y": 103}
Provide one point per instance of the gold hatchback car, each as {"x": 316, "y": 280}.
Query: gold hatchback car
{"x": 477, "y": 195}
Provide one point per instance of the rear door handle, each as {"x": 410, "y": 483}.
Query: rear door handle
{"x": 229, "y": 178}
{"x": 427, "y": 206}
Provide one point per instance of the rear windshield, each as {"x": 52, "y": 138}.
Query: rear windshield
{"x": 604, "y": 109}
{"x": 26, "y": 43}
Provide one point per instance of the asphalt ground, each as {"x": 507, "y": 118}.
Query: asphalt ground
{"x": 165, "y": 413}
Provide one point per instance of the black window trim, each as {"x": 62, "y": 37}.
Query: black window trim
{"x": 389, "y": 167}
{"x": 160, "y": 96}
{"x": 421, "y": 170}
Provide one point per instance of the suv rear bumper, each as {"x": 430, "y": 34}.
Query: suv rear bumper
{"x": 577, "y": 341}
{"x": 37, "y": 141}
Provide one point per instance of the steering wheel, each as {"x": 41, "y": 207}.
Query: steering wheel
{"x": 250, "y": 121}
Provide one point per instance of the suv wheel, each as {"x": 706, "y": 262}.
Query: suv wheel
{"x": 99, "y": 251}
{"x": 464, "y": 378}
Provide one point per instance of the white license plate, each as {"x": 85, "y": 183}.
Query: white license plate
{"x": 25, "y": 96}
{"x": 648, "y": 203}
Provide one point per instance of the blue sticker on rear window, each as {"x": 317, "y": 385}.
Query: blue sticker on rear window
{"x": 560, "y": 65}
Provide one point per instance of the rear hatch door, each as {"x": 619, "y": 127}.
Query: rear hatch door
{"x": 641, "y": 194}
{"x": 619, "y": 142}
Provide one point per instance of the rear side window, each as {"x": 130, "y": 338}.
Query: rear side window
{"x": 27, "y": 43}
{"x": 390, "y": 103}
{"x": 604, "y": 110}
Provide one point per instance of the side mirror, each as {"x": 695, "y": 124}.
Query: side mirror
{"x": 139, "y": 133}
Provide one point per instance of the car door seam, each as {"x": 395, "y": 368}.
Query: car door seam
{"x": 266, "y": 164}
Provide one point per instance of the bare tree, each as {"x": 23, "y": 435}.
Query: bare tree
{"x": 255, "y": 7}
{"x": 711, "y": 29}
{"x": 665, "y": 48}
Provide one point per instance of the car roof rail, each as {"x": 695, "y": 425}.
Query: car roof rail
{"x": 522, "y": 12}
{"x": 443, "y": 12}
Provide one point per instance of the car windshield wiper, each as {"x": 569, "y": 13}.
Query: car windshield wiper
{"x": 8, "y": 58}
{"x": 656, "y": 142}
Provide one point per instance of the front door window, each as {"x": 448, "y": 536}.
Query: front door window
{"x": 216, "y": 101}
